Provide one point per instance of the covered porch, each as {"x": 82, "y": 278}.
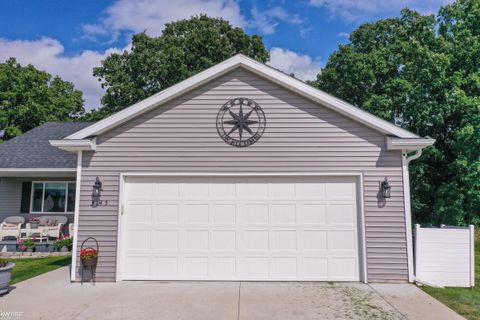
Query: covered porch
{"x": 36, "y": 205}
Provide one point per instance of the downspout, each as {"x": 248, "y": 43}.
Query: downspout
{"x": 414, "y": 156}
{"x": 408, "y": 210}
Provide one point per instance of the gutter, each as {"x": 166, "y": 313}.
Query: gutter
{"x": 75, "y": 145}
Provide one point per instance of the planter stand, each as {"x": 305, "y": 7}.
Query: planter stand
{"x": 89, "y": 264}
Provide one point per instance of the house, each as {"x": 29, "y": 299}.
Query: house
{"x": 240, "y": 172}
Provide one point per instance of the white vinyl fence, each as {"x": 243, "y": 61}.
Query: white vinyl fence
{"x": 445, "y": 256}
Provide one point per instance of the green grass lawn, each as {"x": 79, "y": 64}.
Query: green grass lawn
{"x": 464, "y": 301}
{"x": 28, "y": 268}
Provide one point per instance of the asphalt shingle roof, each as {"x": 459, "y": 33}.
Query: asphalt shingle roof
{"x": 32, "y": 149}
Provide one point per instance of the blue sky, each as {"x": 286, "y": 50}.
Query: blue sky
{"x": 69, "y": 38}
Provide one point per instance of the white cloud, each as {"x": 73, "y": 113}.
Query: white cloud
{"x": 344, "y": 34}
{"x": 303, "y": 66}
{"x": 48, "y": 54}
{"x": 266, "y": 21}
{"x": 363, "y": 10}
{"x": 151, "y": 15}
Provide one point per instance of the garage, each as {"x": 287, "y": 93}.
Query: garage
{"x": 240, "y": 228}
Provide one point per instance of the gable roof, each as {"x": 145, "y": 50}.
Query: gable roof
{"x": 241, "y": 61}
{"x": 33, "y": 150}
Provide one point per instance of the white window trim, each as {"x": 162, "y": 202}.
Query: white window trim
{"x": 66, "y": 182}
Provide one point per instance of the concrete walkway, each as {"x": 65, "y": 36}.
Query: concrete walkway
{"x": 51, "y": 296}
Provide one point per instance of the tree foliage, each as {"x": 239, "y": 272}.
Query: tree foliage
{"x": 423, "y": 72}
{"x": 185, "y": 48}
{"x": 29, "y": 97}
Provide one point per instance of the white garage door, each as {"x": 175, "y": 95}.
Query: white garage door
{"x": 239, "y": 229}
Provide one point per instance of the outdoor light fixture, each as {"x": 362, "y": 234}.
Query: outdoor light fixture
{"x": 96, "y": 193}
{"x": 385, "y": 188}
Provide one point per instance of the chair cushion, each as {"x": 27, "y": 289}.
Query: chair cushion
{"x": 52, "y": 220}
{"x": 10, "y": 226}
{"x": 14, "y": 219}
{"x": 50, "y": 228}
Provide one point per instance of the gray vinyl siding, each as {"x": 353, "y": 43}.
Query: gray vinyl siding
{"x": 301, "y": 137}
{"x": 11, "y": 196}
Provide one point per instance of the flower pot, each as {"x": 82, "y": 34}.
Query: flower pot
{"x": 90, "y": 262}
{"x": 5, "y": 277}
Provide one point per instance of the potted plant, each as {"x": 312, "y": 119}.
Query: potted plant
{"x": 5, "y": 275}
{"x": 34, "y": 222}
{"x": 89, "y": 257}
{"x": 64, "y": 243}
{"x": 28, "y": 245}
{"x": 58, "y": 244}
{"x": 68, "y": 242}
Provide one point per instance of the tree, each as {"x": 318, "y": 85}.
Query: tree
{"x": 422, "y": 73}
{"x": 29, "y": 97}
{"x": 185, "y": 48}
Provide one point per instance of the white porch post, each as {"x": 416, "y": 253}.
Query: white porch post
{"x": 408, "y": 209}
{"x": 75, "y": 218}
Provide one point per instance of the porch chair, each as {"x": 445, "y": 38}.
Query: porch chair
{"x": 71, "y": 226}
{"x": 10, "y": 227}
{"x": 51, "y": 226}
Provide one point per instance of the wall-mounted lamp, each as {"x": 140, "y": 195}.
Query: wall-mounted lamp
{"x": 386, "y": 189}
{"x": 96, "y": 193}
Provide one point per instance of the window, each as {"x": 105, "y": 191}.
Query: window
{"x": 54, "y": 196}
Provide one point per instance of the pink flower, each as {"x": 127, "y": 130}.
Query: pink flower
{"x": 67, "y": 236}
{"x": 23, "y": 248}
{"x": 19, "y": 241}
{"x": 34, "y": 238}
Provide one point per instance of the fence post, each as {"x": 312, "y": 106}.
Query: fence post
{"x": 472, "y": 255}
{"x": 417, "y": 236}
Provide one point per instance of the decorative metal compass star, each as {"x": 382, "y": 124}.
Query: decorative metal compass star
{"x": 241, "y": 122}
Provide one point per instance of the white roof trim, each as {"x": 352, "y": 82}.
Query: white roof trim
{"x": 408, "y": 144}
{"x": 75, "y": 145}
{"x": 257, "y": 68}
{"x": 38, "y": 169}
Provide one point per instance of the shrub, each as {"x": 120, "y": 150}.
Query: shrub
{"x": 3, "y": 263}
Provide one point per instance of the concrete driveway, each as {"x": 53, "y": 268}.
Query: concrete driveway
{"x": 51, "y": 296}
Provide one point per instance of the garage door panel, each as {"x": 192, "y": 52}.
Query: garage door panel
{"x": 165, "y": 214}
{"x": 240, "y": 229}
{"x": 253, "y": 214}
{"x": 194, "y": 214}
{"x": 283, "y": 240}
{"x": 283, "y": 213}
{"x": 224, "y": 267}
{"x": 254, "y": 240}
{"x": 314, "y": 240}
{"x": 165, "y": 240}
{"x": 312, "y": 214}
{"x": 223, "y": 214}
{"x": 164, "y": 267}
{"x": 223, "y": 240}
{"x": 139, "y": 213}
{"x": 167, "y": 190}
{"x": 342, "y": 240}
{"x": 196, "y": 240}
{"x": 341, "y": 214}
